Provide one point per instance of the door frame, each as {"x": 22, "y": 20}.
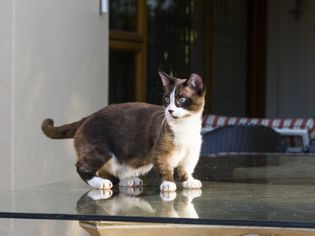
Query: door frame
{"x": 135, "y": 42}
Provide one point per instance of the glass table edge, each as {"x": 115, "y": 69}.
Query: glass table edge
{"x": 161, "y": 220}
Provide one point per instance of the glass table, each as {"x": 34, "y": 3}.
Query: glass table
{"x": 242, "y": 194}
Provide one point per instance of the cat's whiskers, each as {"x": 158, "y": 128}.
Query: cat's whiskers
{"x": 162, "y": 125}
{"x": 160, "y": 114}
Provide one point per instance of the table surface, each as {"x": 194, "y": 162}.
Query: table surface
{"x": 245, "y": 190}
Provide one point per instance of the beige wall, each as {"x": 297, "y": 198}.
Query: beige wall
{"x": 54, "y": 63}
{"x": 25, "y": 227}
{"x": 5, "y": 92}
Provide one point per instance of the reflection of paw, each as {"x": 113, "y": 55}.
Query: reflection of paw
{"x": 100, "y": 183}
{"x": 132, "y": 191}
{"x": 192, "y": 183}
{"x": 167, "y": 186}
{"x": 168, "y": 196}
{"x": 135, "y": 181}
{"x": 100, "y": 194}
{"x": 191, "y": 193}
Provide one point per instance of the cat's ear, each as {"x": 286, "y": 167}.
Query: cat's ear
{"x": 166, "y": 81}
{"x": 196, "y": 83}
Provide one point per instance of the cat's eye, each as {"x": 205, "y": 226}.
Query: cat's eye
{"x": 182, "y": 100}
{"x": 167, "y": 99}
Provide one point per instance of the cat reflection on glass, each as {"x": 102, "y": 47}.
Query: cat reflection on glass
{"x": 129, "y": 201}
{"x": 126, "y": 140}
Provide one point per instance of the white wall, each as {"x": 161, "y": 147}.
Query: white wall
{"x": 54, "y": 63}
{"x": 291, "y": 60}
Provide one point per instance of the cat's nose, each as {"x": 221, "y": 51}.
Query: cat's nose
{"x": 171, "y": 112}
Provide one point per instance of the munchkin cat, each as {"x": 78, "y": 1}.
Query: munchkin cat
{"x": 126, "y": 140}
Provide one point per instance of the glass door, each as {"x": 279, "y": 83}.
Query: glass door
{"x": 222, "y": 40}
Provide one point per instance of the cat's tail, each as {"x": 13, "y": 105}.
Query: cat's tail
{"x": 60, "y": 132}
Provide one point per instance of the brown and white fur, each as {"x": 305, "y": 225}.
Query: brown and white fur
{"x": 127, "y": 140}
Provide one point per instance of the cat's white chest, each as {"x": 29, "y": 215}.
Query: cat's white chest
{"x": 187, "y": 140}
{"x": 187, "y": 132}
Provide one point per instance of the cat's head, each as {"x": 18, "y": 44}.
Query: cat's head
{"x": 183, "y": 98}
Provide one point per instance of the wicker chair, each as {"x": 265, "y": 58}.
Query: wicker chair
{"x": 241, "y": 138}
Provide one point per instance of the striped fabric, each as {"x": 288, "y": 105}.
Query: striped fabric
{"x": 214, "y": 121}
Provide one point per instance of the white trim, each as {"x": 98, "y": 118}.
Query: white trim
{"x": 295, "y": 132}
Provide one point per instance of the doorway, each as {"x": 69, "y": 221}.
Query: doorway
{"x": 222, "y": 40}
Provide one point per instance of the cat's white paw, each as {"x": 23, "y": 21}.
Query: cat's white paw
{"x": 135, "y": 181}
{"x": 168, "y": 196}
{"x": 167, "y": 186}
{"x": 100, "y": 194}
{"x": 100, "y": 183}
{"x": 192, "y": 183}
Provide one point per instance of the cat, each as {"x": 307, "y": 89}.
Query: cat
{"x": 126, "y": 140}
